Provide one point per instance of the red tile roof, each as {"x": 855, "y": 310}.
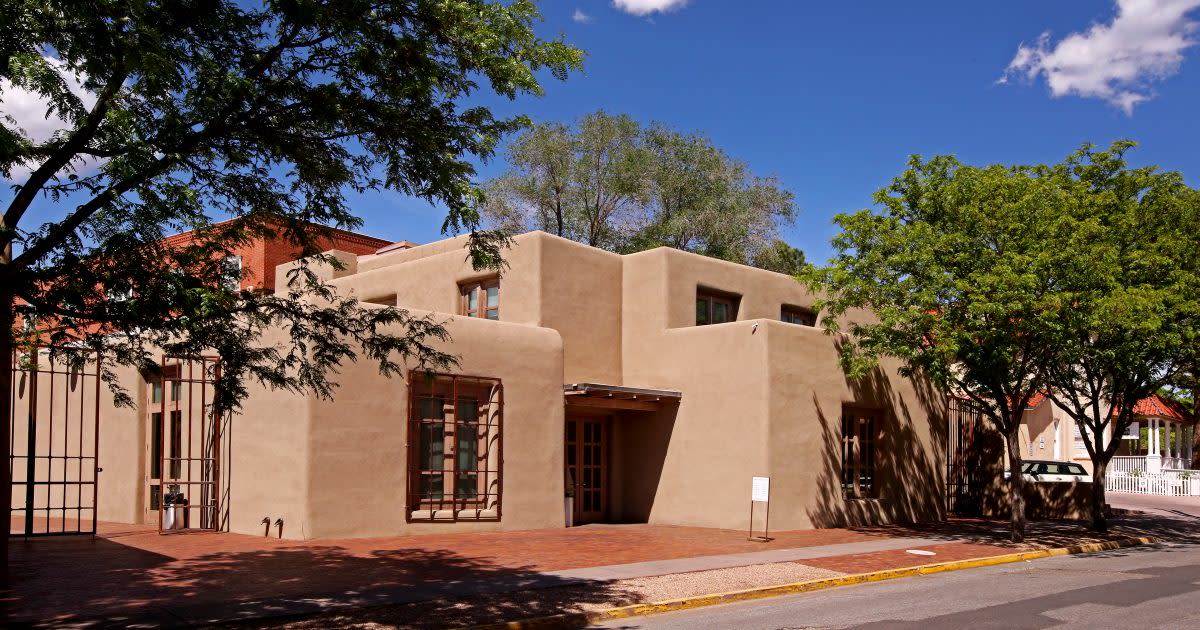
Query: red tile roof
{"x": 1160, "y": 407}
{"x": 1036, "y": 400}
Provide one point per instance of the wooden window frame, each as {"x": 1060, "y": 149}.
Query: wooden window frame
{"x": 797, "y": 315}
{"x": 860, "y": 438}
{"x": 479, "y": 289}
{"x": 712, "y": 297}
{"x": 451, "y": 391}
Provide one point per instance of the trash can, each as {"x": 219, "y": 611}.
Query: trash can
{"x": 174, "y": 509}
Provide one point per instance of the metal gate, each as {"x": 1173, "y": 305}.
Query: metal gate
{"x": 187, "y": 485}
{"x": 964, "y": 474}
{"x": 54, "y": 433}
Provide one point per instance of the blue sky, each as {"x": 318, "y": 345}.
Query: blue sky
{"x": 832, "y": 97}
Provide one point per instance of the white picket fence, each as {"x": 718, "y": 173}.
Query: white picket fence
{"x": 1128, "y": 464}
{"x": 1172, "y": 483}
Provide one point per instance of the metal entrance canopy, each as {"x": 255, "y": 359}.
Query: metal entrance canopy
{"x": 618, "y": 397}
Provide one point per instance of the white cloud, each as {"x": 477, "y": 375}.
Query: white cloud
{"x": 581, "y": 17}
{"x": 646, "y": 7}
{"x": 1115, "y": 62}
{"x": 30, "y": 112}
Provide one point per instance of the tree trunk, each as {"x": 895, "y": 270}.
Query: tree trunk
{"x": 1016, "y": 487}
{"x": 8, "y": 321}
{"x": 1099, "y": 521}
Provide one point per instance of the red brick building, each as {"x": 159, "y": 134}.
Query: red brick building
{"x": 259, "y": 258}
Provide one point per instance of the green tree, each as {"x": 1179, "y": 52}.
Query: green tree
{"x": 1129, "y": 272}
{"x": 611, "y": 182}
{"x": 781, "y": 258}
{"x": 579, "y": 184}
{"x": 953, "y": 267}
{"x": 266, "y": 114}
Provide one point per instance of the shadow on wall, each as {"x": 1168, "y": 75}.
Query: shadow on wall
{"x": 1043, "y": 501}
{"x": 125, "y": 585}
{"x": 641, "y": 452}
{"x": 909, "y": 459}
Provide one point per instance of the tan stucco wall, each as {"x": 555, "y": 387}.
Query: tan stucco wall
{"x": 122, "y": 454}
{"x": 73, "y": 403}
{"x": 269, "y": 457}
{"x": 357, "y": 466}
{"x": 762, "y": 397}
{"x": 581, "y": 299}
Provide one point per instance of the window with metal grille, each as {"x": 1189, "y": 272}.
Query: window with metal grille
{"x": 858, "y": 454}
{"x": 454, "y": 447}
{"x": 481, "y": 299}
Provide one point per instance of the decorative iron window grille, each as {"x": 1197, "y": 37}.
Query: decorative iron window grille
{"x": 858, "y": 455}
{"x": 454, "y": 447}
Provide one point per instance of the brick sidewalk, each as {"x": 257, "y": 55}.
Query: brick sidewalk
{"x": 131, "y": 572}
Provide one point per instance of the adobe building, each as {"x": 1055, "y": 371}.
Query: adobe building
{"x": 591, "y": 387}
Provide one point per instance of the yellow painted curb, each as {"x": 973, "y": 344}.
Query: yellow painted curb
{"x": 569, "y": 620}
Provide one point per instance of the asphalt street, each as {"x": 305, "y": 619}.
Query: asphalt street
{"x": 1147, "y": 587}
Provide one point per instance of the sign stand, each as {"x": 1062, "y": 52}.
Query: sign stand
{"x": 760, "y": 492}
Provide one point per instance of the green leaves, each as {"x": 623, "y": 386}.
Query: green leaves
{"x": 265, "y": 114}
{"x": 1079, "y": 279}
{"x": 956, "y": 268}
{"x": 614, "y": 183}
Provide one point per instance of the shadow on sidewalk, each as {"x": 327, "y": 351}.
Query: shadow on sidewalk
{"x": 105, "y": 584}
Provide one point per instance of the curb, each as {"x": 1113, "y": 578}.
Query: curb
{"x": 574, "y": 620}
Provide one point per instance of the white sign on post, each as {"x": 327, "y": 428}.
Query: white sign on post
{"x": 760, "y": 489}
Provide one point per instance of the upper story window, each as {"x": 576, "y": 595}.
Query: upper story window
{"x": 798, "y": 315}
{"x": 481, "y": 299}
{"x": 715, "y": 308}
{"x": 858, "y": 454}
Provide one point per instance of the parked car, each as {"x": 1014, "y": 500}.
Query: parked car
{"x": 1045, "y": 471}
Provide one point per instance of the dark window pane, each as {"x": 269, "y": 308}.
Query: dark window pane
{"x": 156, "y": 444}
{"x": 720, "y": 312}
{"x": 176, "y": 443}
{"x": 701, "y": 311}
{"x": 432, "y": 486}
{"x": 432, "y": 446}
{"x": 466, "y": 486}
{"x": 468, "y": 457}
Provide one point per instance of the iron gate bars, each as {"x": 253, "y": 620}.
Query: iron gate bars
{"x": 962, "y": 456}
{"x": 188, "y": 429}
{"x": 54, "y": 433}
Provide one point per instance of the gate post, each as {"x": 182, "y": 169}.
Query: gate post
{"x": 31, "y": 440}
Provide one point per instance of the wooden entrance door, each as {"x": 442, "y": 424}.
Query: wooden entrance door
{"x": 587, "y": 467}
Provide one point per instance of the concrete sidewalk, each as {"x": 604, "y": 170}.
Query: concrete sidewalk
{"x": 708, "y": 563}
